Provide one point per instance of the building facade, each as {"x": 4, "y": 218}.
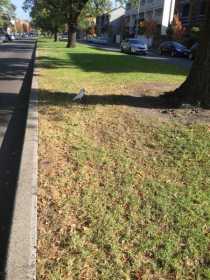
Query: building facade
{"x": 22, "y": 26}
{"x": 161, "y": 11}
{"x": 110, "y": 25}
{"x": 187, "y": 16}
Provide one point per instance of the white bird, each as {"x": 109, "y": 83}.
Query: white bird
{"x": 80, "y": 95}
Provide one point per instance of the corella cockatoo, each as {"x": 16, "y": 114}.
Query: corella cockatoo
{"x": 80, "y": 95}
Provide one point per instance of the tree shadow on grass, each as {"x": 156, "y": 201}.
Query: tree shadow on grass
{"x": 107, "y": 62}
{"x": 144, "y": 101}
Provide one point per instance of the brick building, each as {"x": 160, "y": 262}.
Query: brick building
{"x": 161, "y": 11}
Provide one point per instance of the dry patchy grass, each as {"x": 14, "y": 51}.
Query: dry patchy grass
{"x": 123, "y": 193}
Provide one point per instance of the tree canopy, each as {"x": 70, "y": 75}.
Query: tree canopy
{"x": 50, "y": 15}
{"x": 7, "y": 11}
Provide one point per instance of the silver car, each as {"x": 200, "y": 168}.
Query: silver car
{"x": 3, "y": 38}
{"x": 134, "y": 46}
{"x": 63, "y": 36}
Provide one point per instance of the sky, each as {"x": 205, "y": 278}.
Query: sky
{"x": 19, "y": 11}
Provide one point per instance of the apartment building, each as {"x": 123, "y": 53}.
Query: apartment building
{"x": 110, "y": 24}
{"x": 161, "y": 11}
{"x": 187, "y": 17}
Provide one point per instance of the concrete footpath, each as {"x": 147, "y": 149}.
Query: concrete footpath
{"x": 18, "y": 183}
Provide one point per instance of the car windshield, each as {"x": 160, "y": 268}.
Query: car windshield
{"x": 135, "y": 41}
{"x": 178, "y": 45}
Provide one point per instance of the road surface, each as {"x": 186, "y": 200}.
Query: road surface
{"x": 14, "y": 60}
{"x": 182, "y": 62}
{"x": 15, "y": 83}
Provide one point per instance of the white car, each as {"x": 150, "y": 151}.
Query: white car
{"x": 63, "y": 37}
{"x": 134, "y": 46}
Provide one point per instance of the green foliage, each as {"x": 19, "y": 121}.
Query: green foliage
{"x": 7, "y": 11}
{"x": 92, "y": 9}
{"x": 51, "y": 15}
{"x": 133, "y": 3}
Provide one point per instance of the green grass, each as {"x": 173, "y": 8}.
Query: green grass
{"x": 123, "y": 193}
{"x": 101, "y": 68}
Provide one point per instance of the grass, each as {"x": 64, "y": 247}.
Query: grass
{"x": 103, "y": 70}
{"x": 123, "y": 192}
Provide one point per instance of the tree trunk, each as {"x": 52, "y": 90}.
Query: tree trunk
{"x": 196, "y": 88}
{"x": 192, "y": 12}
{"x": 55, "y": 36}
{"x": 71, "y": 35}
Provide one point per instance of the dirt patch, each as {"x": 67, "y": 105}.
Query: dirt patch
{"x": 151, "y": 104}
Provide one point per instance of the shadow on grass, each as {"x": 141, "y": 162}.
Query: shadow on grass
{"x": 65, "y": 99}
{"x": 103, "y": 62}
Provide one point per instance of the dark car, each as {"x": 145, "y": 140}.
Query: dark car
{"x": 134, "y": 46}
{"x": 10, "y": 37}
{"x": 193, "y": 51}
{"x": 173, "y": 48}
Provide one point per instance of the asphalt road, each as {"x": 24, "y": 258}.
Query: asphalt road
{"x": 14, "y": 61}
{"x": 15, "y": 83}
{"x": 152, "y": 55}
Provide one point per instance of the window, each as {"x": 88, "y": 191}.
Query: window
{"x": 158, "y": 12}
{"x": 149, "y": 15}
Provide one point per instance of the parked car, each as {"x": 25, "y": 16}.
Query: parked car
{"x": 134, "y": 46}
{"x": 173, "y": 49}
{"x": 98, "y": 40}
{"x": 10, "y": 37}
{"x": 63, "y": 36}
{"x": 193, "y": 51}
{"x": 3, "y": 38}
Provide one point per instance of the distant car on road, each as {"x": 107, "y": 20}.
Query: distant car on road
{"x": 63, "y": 36}
{"x": 134, "y": 46}
{"x": 10, "y": 37}
{"x": 98, "y": 40}
{"x": 173, "y": 49}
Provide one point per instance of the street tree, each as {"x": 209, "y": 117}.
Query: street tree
{"x": 196, "y": 88}
{"x": 7, "y": 11}
{"x": 68, "y": 11}
{"x": 92, "y": 9}
{"x": 50, "y": 13}
{"x": 47, "y": 18}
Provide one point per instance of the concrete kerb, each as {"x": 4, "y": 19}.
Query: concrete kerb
{"x": 21, "y": 260}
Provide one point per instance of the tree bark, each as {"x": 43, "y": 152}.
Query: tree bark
{"x": 196, "y": 88}
{"x": 55, "y": 36}
{"x": 72, "y": 27}
{"x": 192, "y": 12}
